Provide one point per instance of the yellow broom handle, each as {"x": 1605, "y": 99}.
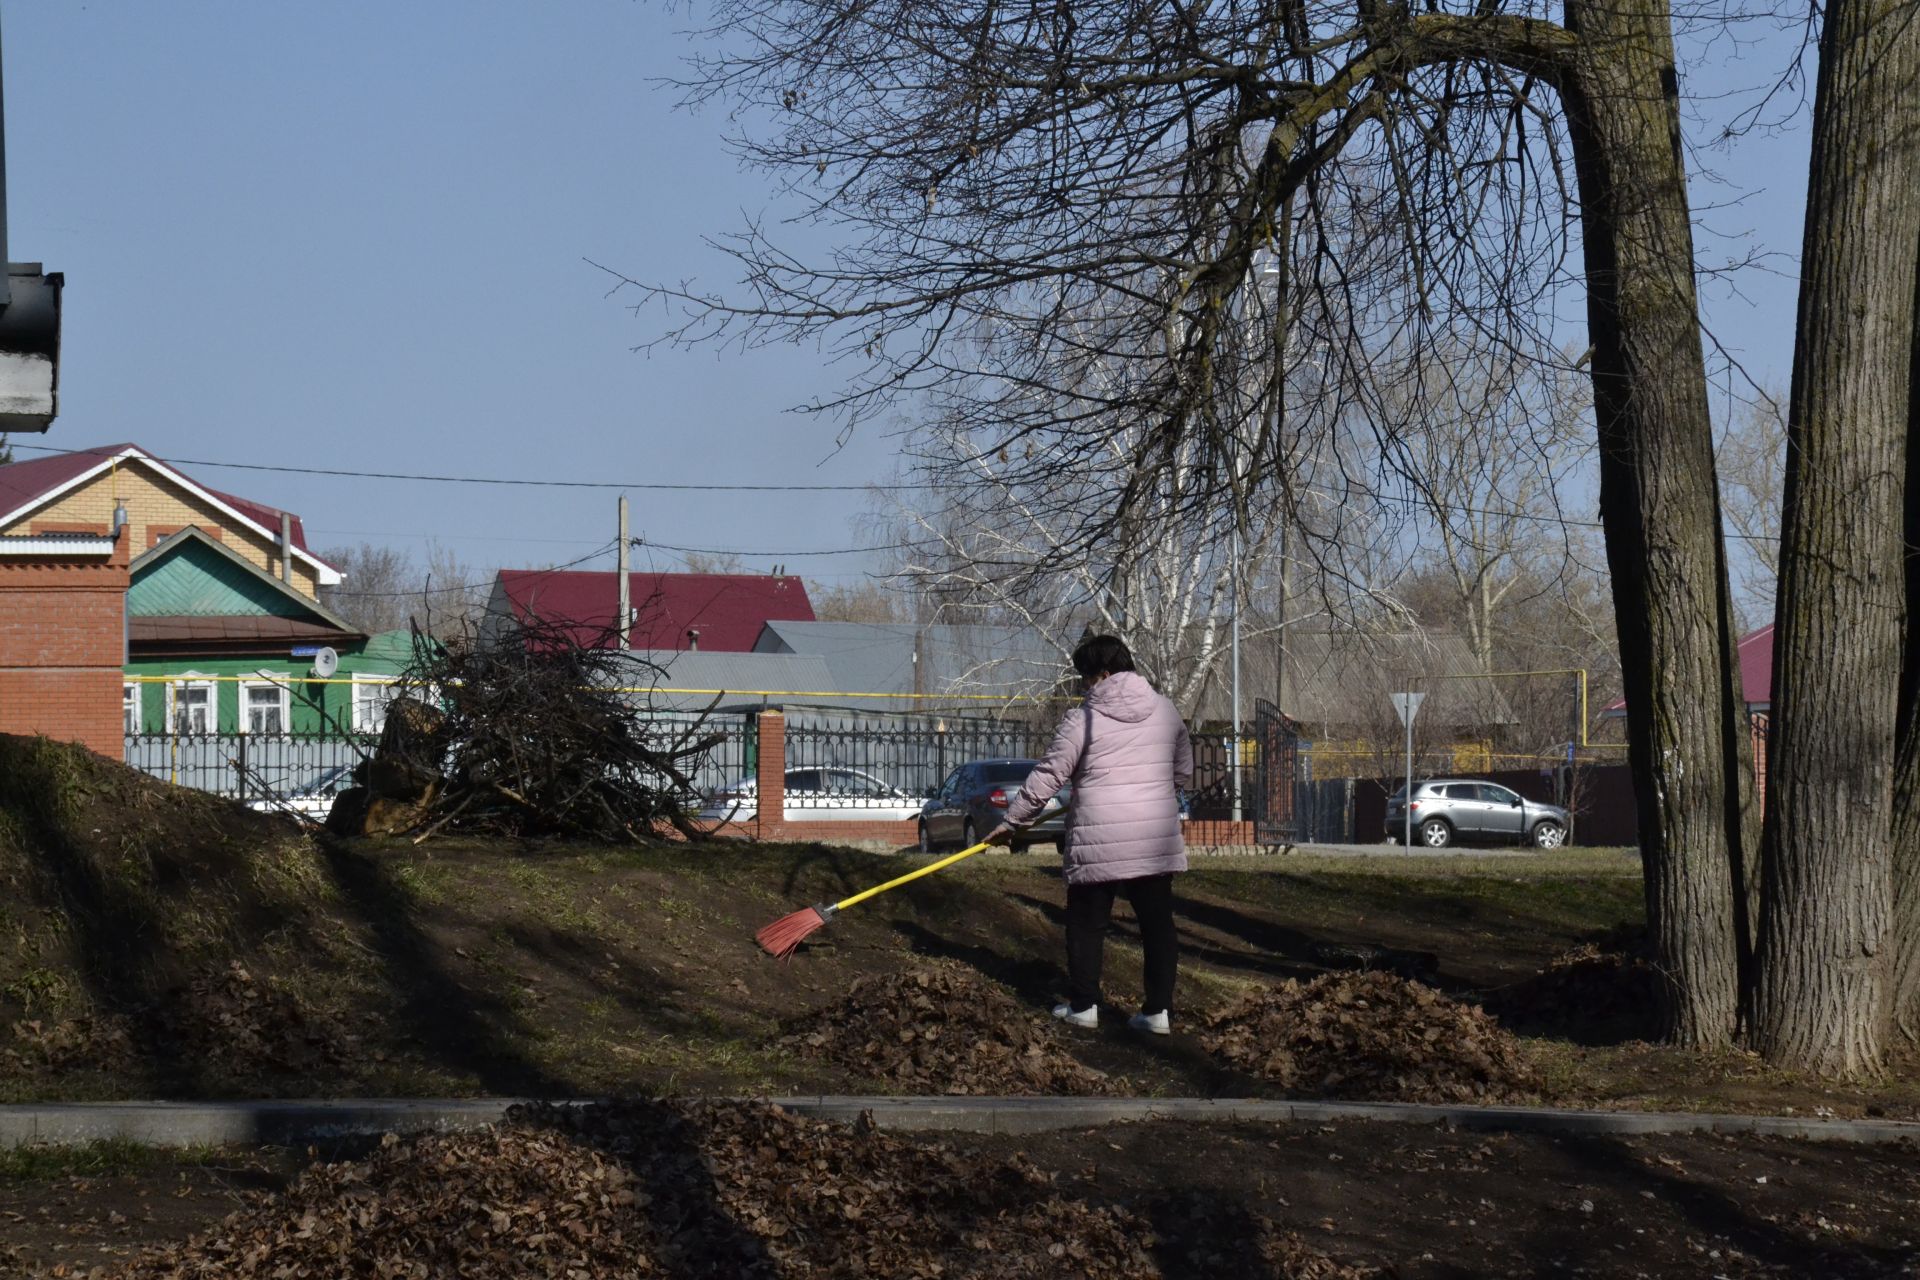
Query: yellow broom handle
{"x": 927, "y": 870}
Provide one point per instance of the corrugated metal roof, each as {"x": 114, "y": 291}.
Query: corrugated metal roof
{"x": 728, "y": 609}
{"x": 666, "y": 670}
{"x": 880, "y": 657}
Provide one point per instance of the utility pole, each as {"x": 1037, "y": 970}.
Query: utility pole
{"x": 624, "y": 622}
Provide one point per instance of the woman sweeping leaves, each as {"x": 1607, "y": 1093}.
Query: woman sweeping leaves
{"x": 1126, "y": 752}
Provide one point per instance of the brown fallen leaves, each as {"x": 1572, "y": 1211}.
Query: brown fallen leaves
{"x": 1371, "y": 1036}
{"x": 942, "y": 1028}
{"x": 696, "y": 1189}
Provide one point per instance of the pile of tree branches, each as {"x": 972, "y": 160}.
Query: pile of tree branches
{"x": 531, "y": 730}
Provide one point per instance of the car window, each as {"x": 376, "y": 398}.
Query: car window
{"x": 854, "y": 783}
{"x": 1004, "y": 773}
{"x": 803, "y": 780}
{"x": 951, "y": 786}
{"x": 1497, "y": 795}
{"x": 1456, "y": 791}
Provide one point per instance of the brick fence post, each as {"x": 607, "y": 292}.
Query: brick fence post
{"x": 770, "y": 774}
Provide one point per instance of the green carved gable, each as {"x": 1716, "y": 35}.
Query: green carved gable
{"x": 197, "y": 580}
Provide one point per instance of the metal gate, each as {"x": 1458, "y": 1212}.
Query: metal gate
{"x": 1274, "y": 769}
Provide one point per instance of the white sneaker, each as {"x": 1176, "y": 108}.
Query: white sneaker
{"x": 1153, "y": 1023}
{"x": 1088, "y": 1017}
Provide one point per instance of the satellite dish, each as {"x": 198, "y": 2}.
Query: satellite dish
{"x": 325, "y": 662}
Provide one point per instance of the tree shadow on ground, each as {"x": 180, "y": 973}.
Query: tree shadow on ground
{"x": 1113, "y": 1048}
{"x": 1205, "y": 1236}
{"x": 1193, "y": 947}
{"x": 1712, "y": 1211}
{"x": 462, "y": 1029}
{"x": 696, "y": 1235}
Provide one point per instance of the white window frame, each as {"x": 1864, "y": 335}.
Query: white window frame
{"x": 277, "y": 682}
{"x": 133, "y": 698}
{"x": 364, "y": 691}
{"x": 193, "y": 680}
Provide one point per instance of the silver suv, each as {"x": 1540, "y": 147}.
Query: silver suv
{"x": 1450, "y": 809}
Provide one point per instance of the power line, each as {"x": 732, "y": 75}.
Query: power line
{"x": 515, "y": 481}
{"x": 465, "y": 586}
{"x": 724, "y": 551}
{"x": 661, "y": 486}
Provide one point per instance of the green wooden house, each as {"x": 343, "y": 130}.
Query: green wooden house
{"x": 217, "y": 645}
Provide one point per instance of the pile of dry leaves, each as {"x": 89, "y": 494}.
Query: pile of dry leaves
{"x": 690, "y": 1189}
{"x": 1370, "y": 1036}
{"x": 1586, "y": 994}
{"x": 943, "y": 1028}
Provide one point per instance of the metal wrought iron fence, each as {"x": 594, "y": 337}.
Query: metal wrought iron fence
{"x": 730, "y": 758}
{"x": 829, "y": 764}
{"x": 250, "y": 766}
{"x": 257, "y": 766}
{"x": 1214, "y": 765}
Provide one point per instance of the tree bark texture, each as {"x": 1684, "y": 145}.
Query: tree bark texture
{"x": 1826, "y": 856}
{"x": 1659, "y": 503}
{"x": 1904, "y": 993}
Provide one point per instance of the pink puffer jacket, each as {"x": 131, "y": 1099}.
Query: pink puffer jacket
{"x": 1124, "y": 750}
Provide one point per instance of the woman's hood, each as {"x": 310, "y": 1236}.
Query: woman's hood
{"x": 1124, "y": 695}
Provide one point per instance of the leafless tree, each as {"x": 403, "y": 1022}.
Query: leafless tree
{"x": 385, "y": 590}
{"x": 378, "y": 591}
{"x": 1036, "y": 173}
{"x": 1752, "y": 453}
{"x": 873, "y": 599}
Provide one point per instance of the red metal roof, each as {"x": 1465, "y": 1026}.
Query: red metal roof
{"x": 728, "y": 608}
{"x": 24, "y": 483}
{"x": 1755, "y": 653}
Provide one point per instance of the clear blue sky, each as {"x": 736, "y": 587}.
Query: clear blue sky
{"x": 352, "y": 235}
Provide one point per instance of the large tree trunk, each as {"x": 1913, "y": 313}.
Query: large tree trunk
{"x": 1659, "y": 502}
{"x": 1904, "y": 993}
{"x": 1839, "y": 620}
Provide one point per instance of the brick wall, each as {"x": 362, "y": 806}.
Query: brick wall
{"x": 62, "y": 643}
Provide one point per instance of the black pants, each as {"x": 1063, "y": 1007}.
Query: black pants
{"x": 1090, "y": 906}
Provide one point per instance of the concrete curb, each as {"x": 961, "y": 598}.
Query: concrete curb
{"x": 188, "y": 1124}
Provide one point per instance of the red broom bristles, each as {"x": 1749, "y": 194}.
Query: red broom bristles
{"x": 784, "y": 936}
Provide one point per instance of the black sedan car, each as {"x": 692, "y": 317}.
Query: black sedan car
{"x": 973, "y": 801}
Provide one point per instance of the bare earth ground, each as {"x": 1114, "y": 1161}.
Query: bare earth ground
{"x": 1410, "y": 1200}
{"x": 158, "y": 943}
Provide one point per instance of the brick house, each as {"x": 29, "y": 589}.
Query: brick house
{"x": 115, "y": 564}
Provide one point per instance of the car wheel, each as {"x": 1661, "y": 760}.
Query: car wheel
{"x": 926, "y": 841}
{"x": 1435, "y": 834}
{"x": 1548, "y": 835}
{"x": 1018, "y": 846}
{"x": 967, "y": 837}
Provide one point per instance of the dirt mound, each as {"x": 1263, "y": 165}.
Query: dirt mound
{"x": 159, "y": 930}
{"x": 1370, "y": 1036}
{"x": 702, "y": 1189}
{"x": 942, "y": 1029}
{"x": 1587, "y": 995}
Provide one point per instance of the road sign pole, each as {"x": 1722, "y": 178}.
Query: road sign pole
{"x": 1408, "y": 706}
{"x": 1406, "y": 826}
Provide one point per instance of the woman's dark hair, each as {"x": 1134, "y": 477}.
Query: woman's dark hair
{"x": 1102, "y": 656}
